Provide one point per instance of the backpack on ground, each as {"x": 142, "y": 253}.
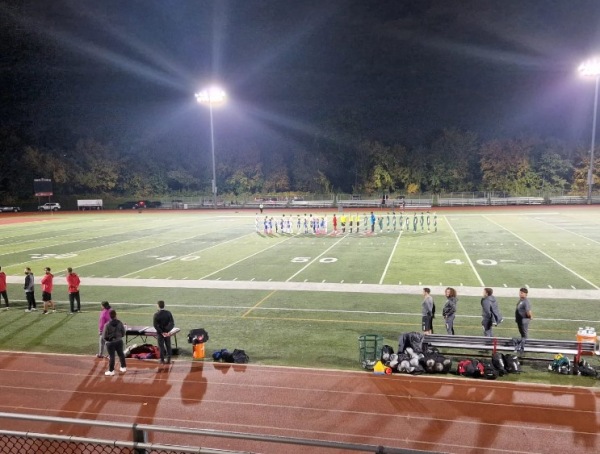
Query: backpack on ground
{"x": 498, "y": 363}
{"x": 470, "y": 368}
{"x": 145, "y": 351}
{"x": 489, "y": 371}
{"x": 386, "y": 352}
{"x": 511, "y": 364}
{"x": 560, "y": 364}
{"x": 585, "y": 369}
{"x": 240, "y": 356}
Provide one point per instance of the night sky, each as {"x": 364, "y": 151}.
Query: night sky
{"x": 126, "y": 71}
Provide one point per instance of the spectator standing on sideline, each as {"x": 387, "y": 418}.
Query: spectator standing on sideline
{"x": 488, "y": 317}
{"x": 47, "y": 283}
{"x": 427, "y": 311}
{"x": 497, "y": 316}
{"x": 102, "y": 321}
{"x": 523, "y": 314}
{"x": 163, "y": 323}
{"x": 113, "y": 334}
{"x": 29, "y": 287}
{"x": 73, "y": 282}
{"x": 3, "y": 293}
{"x": 449, "y": 310}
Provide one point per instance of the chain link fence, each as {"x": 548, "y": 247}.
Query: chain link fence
{"x": 62, "y": 441}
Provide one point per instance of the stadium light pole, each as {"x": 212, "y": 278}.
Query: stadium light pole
{"x": 212, "y": 96}
{"x": 591, "y": 68}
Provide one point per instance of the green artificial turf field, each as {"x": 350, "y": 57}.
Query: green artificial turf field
{"x": 300, "y": 299}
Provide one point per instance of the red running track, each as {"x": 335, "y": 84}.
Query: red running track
{"x": 437, "y": 413}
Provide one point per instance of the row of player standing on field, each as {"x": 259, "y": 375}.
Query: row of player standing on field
{"x": 490, "y": 311}
{"x": 47, "y": 285}
{"x": 346, "y": 223}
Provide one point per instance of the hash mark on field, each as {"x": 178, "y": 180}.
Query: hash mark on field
{"x": 183, "y": 278}
{"x": 305, "y": 280}
{"x": 399, "y": 282}
{"x": 235, "y": 278}
{"x": 342, "y": 281}
{"x": 461, "y": 284}
{"x": 420, "y": 283}
{"x": 549, "y": 286}
{"x": 505, "y": 286}
{"x": 573, "y": 287}
{"x": 269, "y": 280}
{"x": 252, "y": 279}
{"x": 323, "y": 281}
{"x": 360, "y": 282}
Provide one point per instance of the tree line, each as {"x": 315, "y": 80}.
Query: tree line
{"x": 452, "y": 161}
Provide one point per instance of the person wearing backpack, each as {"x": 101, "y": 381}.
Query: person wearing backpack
{"x": 427, "y": 311}
{"x": 449, "y": 310}
{"x": 163, "y": 323}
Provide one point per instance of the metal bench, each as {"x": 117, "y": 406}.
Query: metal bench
{"x": 495, "y": 344}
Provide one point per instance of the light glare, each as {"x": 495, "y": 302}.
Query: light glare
{"x": 590, "y": 67}
{"x": 212, "y": 96}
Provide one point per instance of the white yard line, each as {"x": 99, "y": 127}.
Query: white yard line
{"x": 387, "y": 265}
{"x": 568, "y": 231}
{"x": 543, "y": 253}
{"x": 465, "y": 252}
{"x": 245, "y": 258}
{"x": 316, "y": 258}
{"x": 163, "y": 262}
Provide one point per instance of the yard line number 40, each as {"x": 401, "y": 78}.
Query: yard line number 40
{"x": 483, "y": 262}
{"x": 307, "y": 259}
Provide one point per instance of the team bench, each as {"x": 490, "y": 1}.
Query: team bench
{"x": 495, "y": 344}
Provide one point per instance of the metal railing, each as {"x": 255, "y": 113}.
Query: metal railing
{"x": 16, "y": 442}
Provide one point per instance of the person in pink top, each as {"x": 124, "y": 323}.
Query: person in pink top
{"x": 3, "y": 287}
{"x": 103, "y": 320}
{"x": 47, "y": 286}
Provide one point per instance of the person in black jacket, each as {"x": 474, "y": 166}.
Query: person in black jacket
{"x": 113, "y": 334}
{"x": 163, "y": 323}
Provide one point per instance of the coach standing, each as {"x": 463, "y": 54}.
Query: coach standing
{"x": 73, "y": 284}
{"x": 29, "y": 288}
{"x": 523, "y": 314}
{"x": 163, "y": 323}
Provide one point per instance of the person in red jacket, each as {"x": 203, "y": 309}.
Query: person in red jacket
{"x": 3, "y": 287}
{"x": 47, "y": 286}
{"x": 73, "y": 283}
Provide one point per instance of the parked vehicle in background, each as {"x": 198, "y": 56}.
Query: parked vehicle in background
{"x": 50, "y": 206}
{"x": 139, "y": 204}
{"x": 9, "y": 209}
